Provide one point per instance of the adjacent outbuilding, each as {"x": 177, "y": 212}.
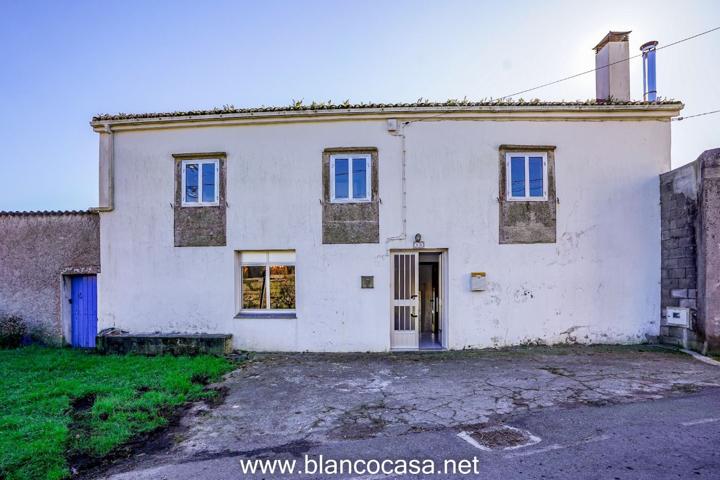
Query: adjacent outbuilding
{"x": 48, "y": 267}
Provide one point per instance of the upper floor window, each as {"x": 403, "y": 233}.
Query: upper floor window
{"x": 526, "y": 176}
{"x": 200, "y": 179}
{"x": 350, "y": 178}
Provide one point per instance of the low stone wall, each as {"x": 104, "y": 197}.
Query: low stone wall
{"x": 690, "y": 215}
{"x": 158, "y": 344}
{"x": 36, "y": 250}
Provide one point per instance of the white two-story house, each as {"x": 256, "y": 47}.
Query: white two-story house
{"x": 378, "y": 227}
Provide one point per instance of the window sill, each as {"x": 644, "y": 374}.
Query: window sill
{"x": 198, "y": 205}
{"x": 527, "y": 199}
{"x": 268, "y": 315}
{"x": 354, "y": 200}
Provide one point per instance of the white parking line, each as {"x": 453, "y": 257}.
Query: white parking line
{"x": 556, "y": 446}
{"x": 699, "y": 421}
{"x": 466, "y": 436}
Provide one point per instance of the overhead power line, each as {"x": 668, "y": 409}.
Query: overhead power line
{"x": 696, "y": 115}
{"x": 429, "y": 117}
{"x": 609, "y": 64}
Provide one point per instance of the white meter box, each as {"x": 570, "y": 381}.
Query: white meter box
{"x": 677, "y": 317}
{"x": 478, "y": 282}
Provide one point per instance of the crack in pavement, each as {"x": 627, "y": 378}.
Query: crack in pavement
{"x": 282, "y": 402}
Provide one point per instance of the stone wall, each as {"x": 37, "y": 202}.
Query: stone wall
{"x": 708, "y": 233}
{"x": 36, "y": 250}
{"x": 690, "y": 229}
{"x": 678, "y": 197}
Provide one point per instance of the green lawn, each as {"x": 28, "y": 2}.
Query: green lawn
{"x": 58, "y": 403}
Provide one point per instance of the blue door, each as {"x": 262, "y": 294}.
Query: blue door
{"x": 83, "y": 301}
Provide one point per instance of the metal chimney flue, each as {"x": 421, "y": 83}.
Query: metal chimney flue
{"x": 649, "y": 73}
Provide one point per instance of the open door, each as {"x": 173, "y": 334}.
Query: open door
{"x": 406, "y": 302}
{"x": 441, "y": 307}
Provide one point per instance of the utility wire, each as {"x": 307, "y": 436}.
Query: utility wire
{"x": 590, "y": 71}
{"x": 609, "y": 64}
{"x": 677, "y": 119}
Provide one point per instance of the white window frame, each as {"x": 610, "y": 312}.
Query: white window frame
{"x": 267, "y": 263}
{"x": 368, "y": 177}
{"x": 200, "y": 162}
{"x": 508, "y": 177}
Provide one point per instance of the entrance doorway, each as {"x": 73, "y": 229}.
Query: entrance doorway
{"x": 83, "y": 308}
{"x": 429, "y": 296}
{"x": 418, "y": 320}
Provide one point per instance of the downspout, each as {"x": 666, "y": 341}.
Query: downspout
{"x": 106, "y": 170}
{"x": 403, "y": 213}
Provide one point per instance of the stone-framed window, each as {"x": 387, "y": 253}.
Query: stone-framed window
{"x": 199, "y": 206}
{"x": 200, "y": 178}
{"x": 350, "y": 220}
{"x": 350, "y": 177}
{"x": 526, "y": 176}
{"x": 528, "y": 198}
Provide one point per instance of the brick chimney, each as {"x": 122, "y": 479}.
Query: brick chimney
{"x": 612, "y": 80}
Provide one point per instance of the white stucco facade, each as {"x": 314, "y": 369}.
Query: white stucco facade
{"x": 599, "y": 283}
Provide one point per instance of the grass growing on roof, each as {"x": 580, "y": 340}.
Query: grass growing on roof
{"x": 58, "y": 403}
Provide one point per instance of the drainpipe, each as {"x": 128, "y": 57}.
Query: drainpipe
{"x": 106, "y": 170}
{"x": 403, "y": 154}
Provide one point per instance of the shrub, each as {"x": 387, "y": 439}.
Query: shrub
{"x": 12, "y": 329}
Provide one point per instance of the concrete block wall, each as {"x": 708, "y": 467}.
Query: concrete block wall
{"x": 678, "y": 216}
{"x": 708, "y": 242}
{"x": 690, "y": 199}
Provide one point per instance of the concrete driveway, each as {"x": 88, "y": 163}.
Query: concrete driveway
{"x": 289, "y": 405}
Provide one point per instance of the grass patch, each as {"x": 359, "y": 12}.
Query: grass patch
{"x": 62, "y": 403}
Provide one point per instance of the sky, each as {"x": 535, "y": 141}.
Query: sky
{"x": 61, "y": 62}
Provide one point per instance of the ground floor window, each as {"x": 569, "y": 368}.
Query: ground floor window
{"x": 266, "y": 281}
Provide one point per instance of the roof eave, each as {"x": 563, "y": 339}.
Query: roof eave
{"x": 609, "y": 111}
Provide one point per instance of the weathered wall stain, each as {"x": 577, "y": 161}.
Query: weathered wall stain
{"x": 568, "y": 247}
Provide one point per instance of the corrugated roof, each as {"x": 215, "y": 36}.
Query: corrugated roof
{"x": 39, "y": 213}
{"x": 230, "y": 109}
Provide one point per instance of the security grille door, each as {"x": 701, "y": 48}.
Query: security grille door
{"x": 405, "y": 320}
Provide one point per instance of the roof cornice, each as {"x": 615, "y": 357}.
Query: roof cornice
{"x": 560, "y": 111}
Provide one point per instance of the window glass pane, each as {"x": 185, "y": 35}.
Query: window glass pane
{"x": 208, "y": 182}
{"x": 359, "y": 171}
{"x": 282, "y": 287}
{"x": 253, "y": 287}
{"x": 191, "y": 182}
{"x": 517, "y": 176}
{"x": 536, "y": 176}
{"x": 341, "y": 178}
